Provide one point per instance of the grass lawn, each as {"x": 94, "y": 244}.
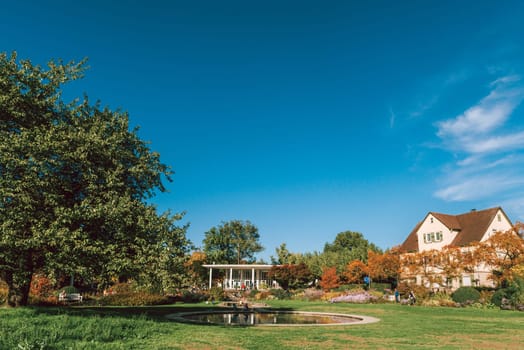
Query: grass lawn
{"x": 401, "y": 327}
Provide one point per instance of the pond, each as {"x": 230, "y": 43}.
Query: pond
{"x": 270, "y": 318}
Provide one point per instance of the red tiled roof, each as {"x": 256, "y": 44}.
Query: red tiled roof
{"x": 474, "y": 225}
{"x": 471, "y": 227}
{"x": 411, "y": 243}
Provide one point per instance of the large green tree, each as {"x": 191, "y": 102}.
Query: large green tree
{"x": 232, "y": 242}
{"x": 75, "y": 182}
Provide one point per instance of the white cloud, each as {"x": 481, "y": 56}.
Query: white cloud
{"x": 491, "y": 112}
{"x": 495, "y": 143}
{"x": 392, "y": 118}
{"x": 488, "y": 157}
{"x": 476, "y": 187}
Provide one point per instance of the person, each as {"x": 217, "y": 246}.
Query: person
{"x": 397, "y": 296}
{"x": 412, "y": 299}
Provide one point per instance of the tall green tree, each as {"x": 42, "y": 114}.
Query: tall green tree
{"x": 232, "y": 242}
{"x": 352, "y": 245}
{"x": 75, "y": 183}
{"x": 284, "y": 256}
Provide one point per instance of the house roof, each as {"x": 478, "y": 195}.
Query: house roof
{"x": 471, "y": 227}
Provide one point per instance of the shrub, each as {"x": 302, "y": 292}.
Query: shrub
{"x": 498, "y": 296}
{"x": 216, "y": 294}
{"x": 193, "y": 296}
{"x": 421, "y": 292}
{"x": 134, "y": 299}
{"x": 3, "y": 292}
{"x": 466, "y": 295}
{"x": 355, "y": 297}
{"x": 280, "y": 294}
{"x": 41, "y": 286}
{"x": 439, "y": 299}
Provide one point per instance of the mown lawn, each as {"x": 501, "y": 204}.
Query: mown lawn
{"x": 401, "y": 327}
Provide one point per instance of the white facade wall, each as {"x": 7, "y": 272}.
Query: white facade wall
{"x": 500, "y": 223}
{"x": 434, "y": 228}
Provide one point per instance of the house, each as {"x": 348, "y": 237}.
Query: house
{"x": 437, "y": 231}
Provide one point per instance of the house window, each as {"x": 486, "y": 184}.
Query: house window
{"x": 433, "y": 237}
{"x": 499, "y": 217}
{"x": 466, "y": 281}
{"x": 431, "y": 220}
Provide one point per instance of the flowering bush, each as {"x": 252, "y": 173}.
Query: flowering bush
{"x": 41, "y": 286}
{"x": 355, "y": 297}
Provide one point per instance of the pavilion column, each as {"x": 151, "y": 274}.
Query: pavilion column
{"x": 231, "y": 278}
{"x": 210, "y": 276}
{"x": 253, "y": 277}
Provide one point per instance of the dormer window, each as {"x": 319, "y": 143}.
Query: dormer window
{"x": 499, "y": 217}
{"x": 431, "y": 220}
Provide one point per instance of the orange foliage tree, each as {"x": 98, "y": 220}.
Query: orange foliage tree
{"x": 424, "y": 264}
{"x": 329, "y": 279}
{"x": 502, "y": 252}
{"x": 195, "y": 269}
{"x": 384, "y": 266}
{"x": 356, "y": 271}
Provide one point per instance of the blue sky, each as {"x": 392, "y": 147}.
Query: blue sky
{"x": 307, "y": 118}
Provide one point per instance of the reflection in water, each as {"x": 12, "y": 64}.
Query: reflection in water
{"x": 258, "y": 318}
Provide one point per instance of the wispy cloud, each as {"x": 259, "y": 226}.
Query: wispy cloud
{"x": 392, "y": 118}
{"x": 487, "y": 154}
{"x": 477, "y": 187}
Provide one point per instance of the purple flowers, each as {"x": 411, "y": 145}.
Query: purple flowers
{"x": 359, "y": 297}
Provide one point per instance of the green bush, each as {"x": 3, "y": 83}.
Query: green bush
{"x": 193, "y": 296}
{"x": 280, "y": 294}
{"x": 466, "y": 295}
{"x": 498, "y": 296}
{"x": 217, "y": 294}
{"x": 380, "y": 286}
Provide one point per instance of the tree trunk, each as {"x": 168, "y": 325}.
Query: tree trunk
{"x": 18, "y": 288}
{"x": 19, "y": 281}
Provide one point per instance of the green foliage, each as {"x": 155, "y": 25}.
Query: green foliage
{"x": 498, "y": 296}
{"x": 74, "y": 187}
{"x": 512, "y": 296}
{"x": 216, "y": 294}
{"x": 280, "y": 294}
{"x": 381, "y": 287}
{"x": 232, "y": 242}
{"x": 466, "y": 295}
{"x": 353, "y": 244}
{"x": 284, "y": 256}
{"x": 70, "y": 289}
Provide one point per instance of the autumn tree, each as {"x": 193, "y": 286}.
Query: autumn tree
{"x": 232, "y": 242}
{"x": 291, "y": 275}
{"x": 195, "y": 267}
{"x": 75, "y": 185}
{"x": 385, "y": 267}
{"x": 329, "y": 279}
{"x": 356, "y": 271}
{"x": 502, "y": 252}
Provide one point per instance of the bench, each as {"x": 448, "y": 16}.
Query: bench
{"x": 70, "y": 297}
